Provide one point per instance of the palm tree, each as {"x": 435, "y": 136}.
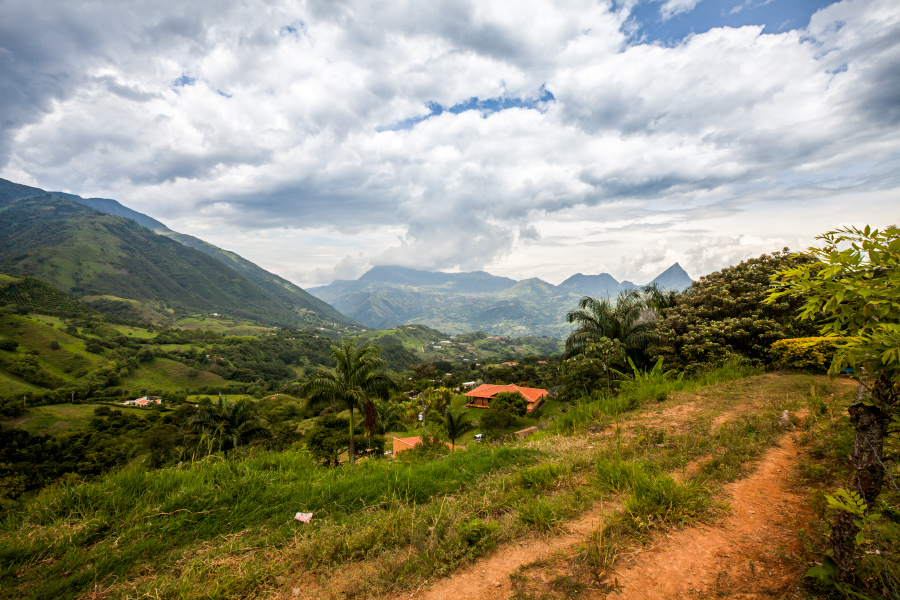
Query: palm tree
{"x": 456, "y": 424}
{"x": 601, "y": 318}
{"x": 354, "y": 382}
{"x": 659, "y": 299}
{"x": 226, "y": 425}
{"x": 390, "y": 417}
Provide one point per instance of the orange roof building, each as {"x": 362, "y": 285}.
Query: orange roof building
{"x": 401, "y": 444}
{"x": 481, "y": 396}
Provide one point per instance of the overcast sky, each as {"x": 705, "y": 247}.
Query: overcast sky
{"x": 524, "y": 138}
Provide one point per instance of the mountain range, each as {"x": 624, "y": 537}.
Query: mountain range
{"x": 122, "y": 262}
{"x": 387, "y": 296}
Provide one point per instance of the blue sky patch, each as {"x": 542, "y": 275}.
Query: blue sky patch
{"x": 184, "y": 80}
{"x": 648, "y": 25}
{"x": 486, "y": 107}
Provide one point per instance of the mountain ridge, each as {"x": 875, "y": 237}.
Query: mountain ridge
{"x": 388, "y": 295}
{"x": 111, "y": 261}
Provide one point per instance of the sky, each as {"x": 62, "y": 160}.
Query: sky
{"x": 523, "y": 138}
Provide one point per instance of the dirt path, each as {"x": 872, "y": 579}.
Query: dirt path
{"x": 489, "y": 577}
{"x": 748, "y": 555}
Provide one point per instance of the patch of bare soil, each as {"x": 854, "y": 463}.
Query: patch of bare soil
{"x": 748, "y": 555}
{"x": 489, "y": 577}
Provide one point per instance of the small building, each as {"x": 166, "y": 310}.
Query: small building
{"x": 401, "y": 444}
{"x": 481, "y": 396}
{"x": 144, "y": 401}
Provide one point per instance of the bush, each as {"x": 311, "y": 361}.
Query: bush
{"x": 495, "y": 419}
{"x": 512, "y": 402}
{"x": 805, "y": 354}
{"x": 8, "y": 345}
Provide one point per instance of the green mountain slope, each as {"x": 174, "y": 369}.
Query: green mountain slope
{"x": 289, "y": 293}
{"x": 113, "y": 262}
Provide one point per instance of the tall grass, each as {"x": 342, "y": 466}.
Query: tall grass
{"x": 601, "y": 405}
{"x": 135, "y": 519}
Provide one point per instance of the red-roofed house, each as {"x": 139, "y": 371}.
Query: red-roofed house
{"x": 481, "y": 396}
{"x": 401, "y": 444}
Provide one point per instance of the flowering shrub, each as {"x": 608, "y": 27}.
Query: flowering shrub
{"x": 807, "y": 354}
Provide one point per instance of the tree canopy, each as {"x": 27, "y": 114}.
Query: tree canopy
{"x": 355, "y": 382}
{"x": 725, "y": 313}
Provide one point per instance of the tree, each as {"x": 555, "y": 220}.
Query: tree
{"x": 390, "y": 416}
{"x": 456, "y": 424}
{"x": 355, "y": 382}
{"x": 225, "y": 426}
{"x": 328, "y": 439}
{"x": 512, "y": 402}
{"x": 851, "y": 286}
{"x": 583, "y": 370}
{"x": 725, "y": 313}
{"x": 601, "y": 318}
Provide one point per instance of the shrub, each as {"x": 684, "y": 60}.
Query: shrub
{"x": 806, "y": 354}
{"x": 512, "y": 402}
{"x": 495, "y": 419}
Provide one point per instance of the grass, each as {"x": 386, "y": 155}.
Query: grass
{"x": 601, "y": 405}
{"x": 224, "y": 529}
{"x": 169, "y": 376}
{"x": 133, "y": 520}
{"x": 62, "y": 418}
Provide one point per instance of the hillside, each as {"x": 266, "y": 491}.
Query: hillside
{"x": 113, "y": 262}
{"x": 33, "y": 295}
{"x": 576, "y": 508}
{"x": 387, "y": 296}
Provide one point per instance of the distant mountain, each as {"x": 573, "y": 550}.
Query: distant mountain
{"x": 96, "y": 250}
{"x": 387, "y": 296}
{"x": 603, "y": 285}
{"x": 673, "y": 278}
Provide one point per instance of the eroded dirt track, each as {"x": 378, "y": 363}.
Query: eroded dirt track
{"x": 747, "y": 555}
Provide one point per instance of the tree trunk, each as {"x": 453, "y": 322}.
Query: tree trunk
{"x": 351, "y": 452}
{"x": 870, "y": 424}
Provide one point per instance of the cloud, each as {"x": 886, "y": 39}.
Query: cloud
{"x": 501, "y": 135}
{"x": 670, "y": 8}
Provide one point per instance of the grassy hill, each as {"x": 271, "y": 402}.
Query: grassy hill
{"x": 34, "y": 295}
{"x": 169, "y": 376}
{"x": 58, "y": 419}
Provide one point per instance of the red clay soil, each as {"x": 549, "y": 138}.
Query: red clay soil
{"x": 489, "y": 577}
{"x": 747, "y": 555}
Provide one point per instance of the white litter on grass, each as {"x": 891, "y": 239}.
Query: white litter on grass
{"x": 303, "y": 517}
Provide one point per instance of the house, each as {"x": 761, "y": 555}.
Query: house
{"x": 401, "y": 444}
{"x": 144, "y": 401}
{"x": 481, "y": 396}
